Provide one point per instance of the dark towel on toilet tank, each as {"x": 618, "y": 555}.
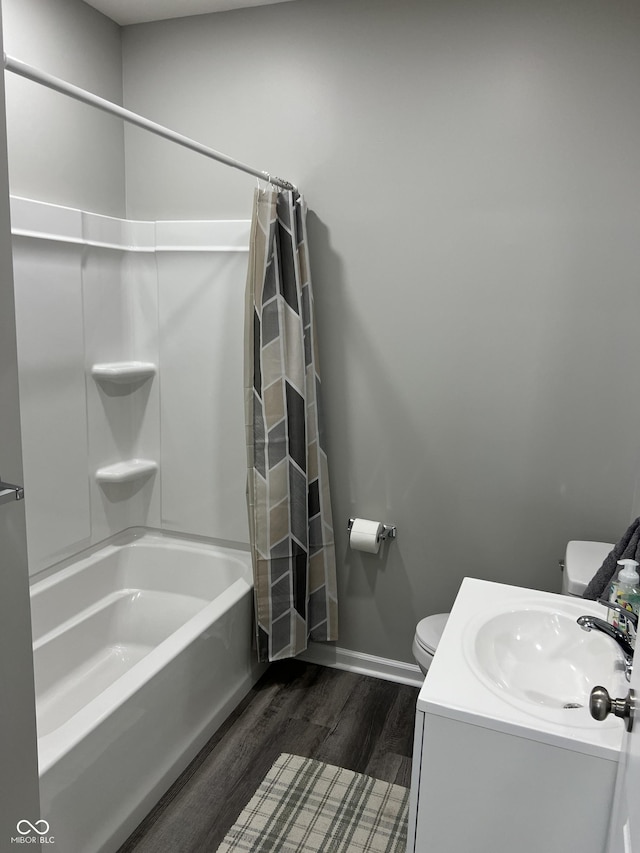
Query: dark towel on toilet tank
{"x": 628, "y": 548}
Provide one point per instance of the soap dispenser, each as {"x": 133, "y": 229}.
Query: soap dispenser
{"x": 625, "y": 591}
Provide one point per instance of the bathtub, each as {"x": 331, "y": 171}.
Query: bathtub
{"x": 141, "y": 649}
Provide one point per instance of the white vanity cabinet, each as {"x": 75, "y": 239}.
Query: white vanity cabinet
{"x": 490, "y": 774}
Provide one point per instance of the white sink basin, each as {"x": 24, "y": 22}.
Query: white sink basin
{"x": 539, "y": 659}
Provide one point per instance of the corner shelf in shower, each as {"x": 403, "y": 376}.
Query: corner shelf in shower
{"x": 126, "y": 471}
{"x": 124, "y": 372}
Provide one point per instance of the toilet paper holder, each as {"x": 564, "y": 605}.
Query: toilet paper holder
{"x": 389, "y": 531}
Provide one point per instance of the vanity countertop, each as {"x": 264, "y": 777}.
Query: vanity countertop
{"x": 458, "y": 688}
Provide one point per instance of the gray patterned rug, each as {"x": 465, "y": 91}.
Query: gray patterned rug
{"x": 305, "y": 806}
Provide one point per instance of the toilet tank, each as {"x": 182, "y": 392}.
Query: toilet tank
{"x": 582, "y": 560}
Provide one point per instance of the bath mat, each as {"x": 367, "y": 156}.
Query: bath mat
{"x": 306, "y": 806}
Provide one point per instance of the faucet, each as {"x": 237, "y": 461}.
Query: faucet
{"x": 588, "y": 623}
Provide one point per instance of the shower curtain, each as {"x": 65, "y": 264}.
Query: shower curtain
{"x": 287, "y": 485}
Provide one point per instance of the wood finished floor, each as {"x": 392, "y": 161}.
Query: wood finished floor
{"x": 353, "y": 721}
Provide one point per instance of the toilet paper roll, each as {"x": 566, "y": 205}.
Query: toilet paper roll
{"x": 365, "y": 535}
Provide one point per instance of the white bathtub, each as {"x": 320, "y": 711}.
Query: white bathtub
{"x": 141, "y": 650}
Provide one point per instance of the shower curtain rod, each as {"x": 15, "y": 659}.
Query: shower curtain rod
{"x": 16, "y": 66}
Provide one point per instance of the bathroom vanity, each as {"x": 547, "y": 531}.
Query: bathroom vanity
{"x": 506, "y": 755}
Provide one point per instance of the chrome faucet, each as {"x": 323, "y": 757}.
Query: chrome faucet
{"x": 588, "y": 623}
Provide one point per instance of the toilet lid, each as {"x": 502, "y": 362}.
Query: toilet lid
{"x": 429, "y": 630}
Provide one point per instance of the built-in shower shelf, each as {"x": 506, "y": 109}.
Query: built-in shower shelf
{"x": 125, "y": 472}
{"x": 124, "y": 372}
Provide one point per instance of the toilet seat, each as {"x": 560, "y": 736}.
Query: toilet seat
{"x": 429, "y": 630}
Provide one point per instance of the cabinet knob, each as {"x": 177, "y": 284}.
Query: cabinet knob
{"x": 601, "y": 705}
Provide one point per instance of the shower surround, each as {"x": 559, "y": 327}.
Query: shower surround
{"x": 95, "y": 290}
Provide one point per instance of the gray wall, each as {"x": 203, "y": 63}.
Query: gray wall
{"x": 61, "y": 151}
{"x": 472, "y": 175}
{"x": 471, "y": 172}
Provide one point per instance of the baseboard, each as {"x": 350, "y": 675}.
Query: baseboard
{"x": 326, "y": 654}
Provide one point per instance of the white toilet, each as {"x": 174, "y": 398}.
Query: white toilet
{"x": 582, "y": 560}
{"x": 426, "y": 639}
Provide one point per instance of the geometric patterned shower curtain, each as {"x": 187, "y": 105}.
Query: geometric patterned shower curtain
{"x": 288, "y": 499}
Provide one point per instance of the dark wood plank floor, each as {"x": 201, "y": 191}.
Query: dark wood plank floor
{"x": 361, "y": 723}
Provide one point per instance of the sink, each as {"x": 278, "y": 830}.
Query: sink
{"x": 537, "y": 658}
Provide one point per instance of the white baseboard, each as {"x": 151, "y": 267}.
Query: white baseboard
{"x": 326, "y": 654}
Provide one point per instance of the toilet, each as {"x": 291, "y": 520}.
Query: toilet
{"x": 582, "y": 560}
{"x": 426, "y": 639}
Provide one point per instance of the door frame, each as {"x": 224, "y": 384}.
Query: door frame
{"x": 19, "y": 790}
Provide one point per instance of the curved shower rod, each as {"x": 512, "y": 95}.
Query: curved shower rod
{"x": 16, "y": 66}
